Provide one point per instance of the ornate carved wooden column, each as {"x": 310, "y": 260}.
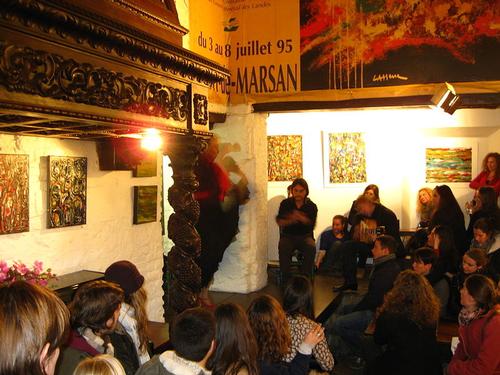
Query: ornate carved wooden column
{"x": 184, "y": 273}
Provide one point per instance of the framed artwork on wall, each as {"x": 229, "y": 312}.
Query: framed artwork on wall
{"x": 147, "y": 167}
{"x": 145, "y": 204}
{"x": 67, "y": 191}
{"x": 284, "y": 157}
{"x": 344, "y": 156}
{"x": 14, "y": 193}
{"x": 448, "y": 164}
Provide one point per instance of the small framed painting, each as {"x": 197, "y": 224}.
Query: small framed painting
{"x": 67, "y": 191}
{"x": 145, "y": 204}
{"x": 14, "y": 193}
{"x": 147, "y": 167}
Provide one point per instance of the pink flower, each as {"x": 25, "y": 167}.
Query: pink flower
{"x": 3, "y": 266}
{"x": 3, "y": 276}
{"x": 21, "y": 268}
{"x": 37, "y": 267}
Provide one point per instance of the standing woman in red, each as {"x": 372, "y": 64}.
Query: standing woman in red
{"x": 490, "y": 175}
{"x": 479, "y": 332}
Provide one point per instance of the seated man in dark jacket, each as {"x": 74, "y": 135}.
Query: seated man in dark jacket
{"x": 373, "y": 219}
{"x": 353, "y": 317}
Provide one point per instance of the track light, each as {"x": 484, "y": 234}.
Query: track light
{"x": 446, "y": 98}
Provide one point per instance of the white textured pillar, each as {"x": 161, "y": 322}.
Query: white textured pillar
{"x": 244, "y": 266}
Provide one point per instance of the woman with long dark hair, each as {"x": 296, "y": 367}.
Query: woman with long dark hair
{"x": 236, "y": 350}
{"x": 298, "y": 306}
{"x": 442, "y": 242}
{"x": 406, "y": 323}
{"x": 485, "y": 205}
{"x": 447, "y": 212}
{"x": 271, "y": 330}
{"x": 479, "y": 330}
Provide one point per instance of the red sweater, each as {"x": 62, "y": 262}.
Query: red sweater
{"x": 478, "y": 352}
{"x": 481, "y": 180}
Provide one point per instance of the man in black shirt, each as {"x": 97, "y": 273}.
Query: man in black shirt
{"x": 373, "y": 219}
{"x": 296, "y": 219}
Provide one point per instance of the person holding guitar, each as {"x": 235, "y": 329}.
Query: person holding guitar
{"x": 373, "y": 219}
{"x": 296, "y": 219}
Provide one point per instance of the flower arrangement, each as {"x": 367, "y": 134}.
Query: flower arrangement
{"x": 19, "y": 271}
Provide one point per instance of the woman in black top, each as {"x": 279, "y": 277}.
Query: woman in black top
{"x": 406, "y": 323}
{"x": 485, "y": 205}
{"x": 447, "y": 212}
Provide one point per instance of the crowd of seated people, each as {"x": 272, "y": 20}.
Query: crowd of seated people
{"x": 103, "y": 329}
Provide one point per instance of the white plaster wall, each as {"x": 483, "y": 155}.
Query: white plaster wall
{"x": 395, "y": 153}
{"x": 244, "y": 266}
{"x": 109, "y": 234}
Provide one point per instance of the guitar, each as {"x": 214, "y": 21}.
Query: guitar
{"x": 367, "y": 231}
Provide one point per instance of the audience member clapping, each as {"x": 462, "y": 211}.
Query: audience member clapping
{"x": 34, "y": 325}
{"x": 406, "y": 324}
{"x": 270, "y": 326}
{"x": 298, "y": 305}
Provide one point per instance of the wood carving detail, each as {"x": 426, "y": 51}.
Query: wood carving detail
{"x": 49, "y": 75}
{"x": 200, "y": 103}
{"x": 185, "y": 275}
{"x": 99, "y": 33}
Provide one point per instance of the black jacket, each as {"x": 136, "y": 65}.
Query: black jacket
{"x": 382, "y": 278}
{"x": 125, "y": 351}
{"x": 298, "y": 366}
{"x": 410, "y": 350}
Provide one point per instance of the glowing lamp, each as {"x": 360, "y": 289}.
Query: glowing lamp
{"x": 151, "y": 140}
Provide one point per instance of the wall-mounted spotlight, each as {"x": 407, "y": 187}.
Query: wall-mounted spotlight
{"x": 151, "y": 139}
{"x": 446, "y": 98}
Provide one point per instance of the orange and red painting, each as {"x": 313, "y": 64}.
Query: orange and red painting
{"x": 284, "y": 157}
{"x": 361, "y": 43}
{"x": 14, "y": 193}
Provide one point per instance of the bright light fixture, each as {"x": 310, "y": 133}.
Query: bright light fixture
{"x": 151, "y": 139}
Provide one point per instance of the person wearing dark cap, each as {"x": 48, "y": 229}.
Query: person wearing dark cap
{"x": 133, "y": 317}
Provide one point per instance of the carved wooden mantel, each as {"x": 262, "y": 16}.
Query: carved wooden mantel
{"x": 101, "y": 70}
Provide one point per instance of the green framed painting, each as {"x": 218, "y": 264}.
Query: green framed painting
{"x": 145, "y": 204}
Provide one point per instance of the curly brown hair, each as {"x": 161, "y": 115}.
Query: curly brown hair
{"x": 270, "y": 327}
{"x": 138, "y": 301}
{"x": 412, "y": 297}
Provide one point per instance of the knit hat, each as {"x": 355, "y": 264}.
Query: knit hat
{"x": 126, "y": 275}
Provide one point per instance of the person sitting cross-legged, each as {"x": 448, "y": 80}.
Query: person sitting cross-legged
{"x": 355, "y": 312}
{"x": 193, "y": 338}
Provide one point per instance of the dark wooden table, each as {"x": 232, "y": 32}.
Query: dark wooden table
{"x": 66, "y": 285}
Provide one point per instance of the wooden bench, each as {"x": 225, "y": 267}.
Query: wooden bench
{"x": 159, "y": 335}
{"x": 446, "y": 330}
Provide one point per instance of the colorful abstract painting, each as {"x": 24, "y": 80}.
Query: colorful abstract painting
{"x": 145, "y": 198}
{"x": 346, "y": 158}
{"x": 448, "y": 164}
{"x": 284, "y": 157}
{"x": 354, "y": 44}
{"x": 14, "y": 193}
{"x": 67, "y": 191}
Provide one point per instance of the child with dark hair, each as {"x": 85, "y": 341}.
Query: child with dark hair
{"x": 328, "y": 255}
{"x": 487, "y": 238}
{"x": 298, "y": 305}
{"x": 94, "y": 314}
{"x": 193, "y": 338}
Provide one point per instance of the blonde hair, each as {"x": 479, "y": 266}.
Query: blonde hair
{"x": 138, "y": 301}
{"x": 103, "y": 364}
{"x": 420, "y": 207}
{"x": 31, "y": 317}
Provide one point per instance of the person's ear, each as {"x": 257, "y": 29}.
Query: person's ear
{"x": 48, "y": 362}
{"x": 43, "y": 356}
